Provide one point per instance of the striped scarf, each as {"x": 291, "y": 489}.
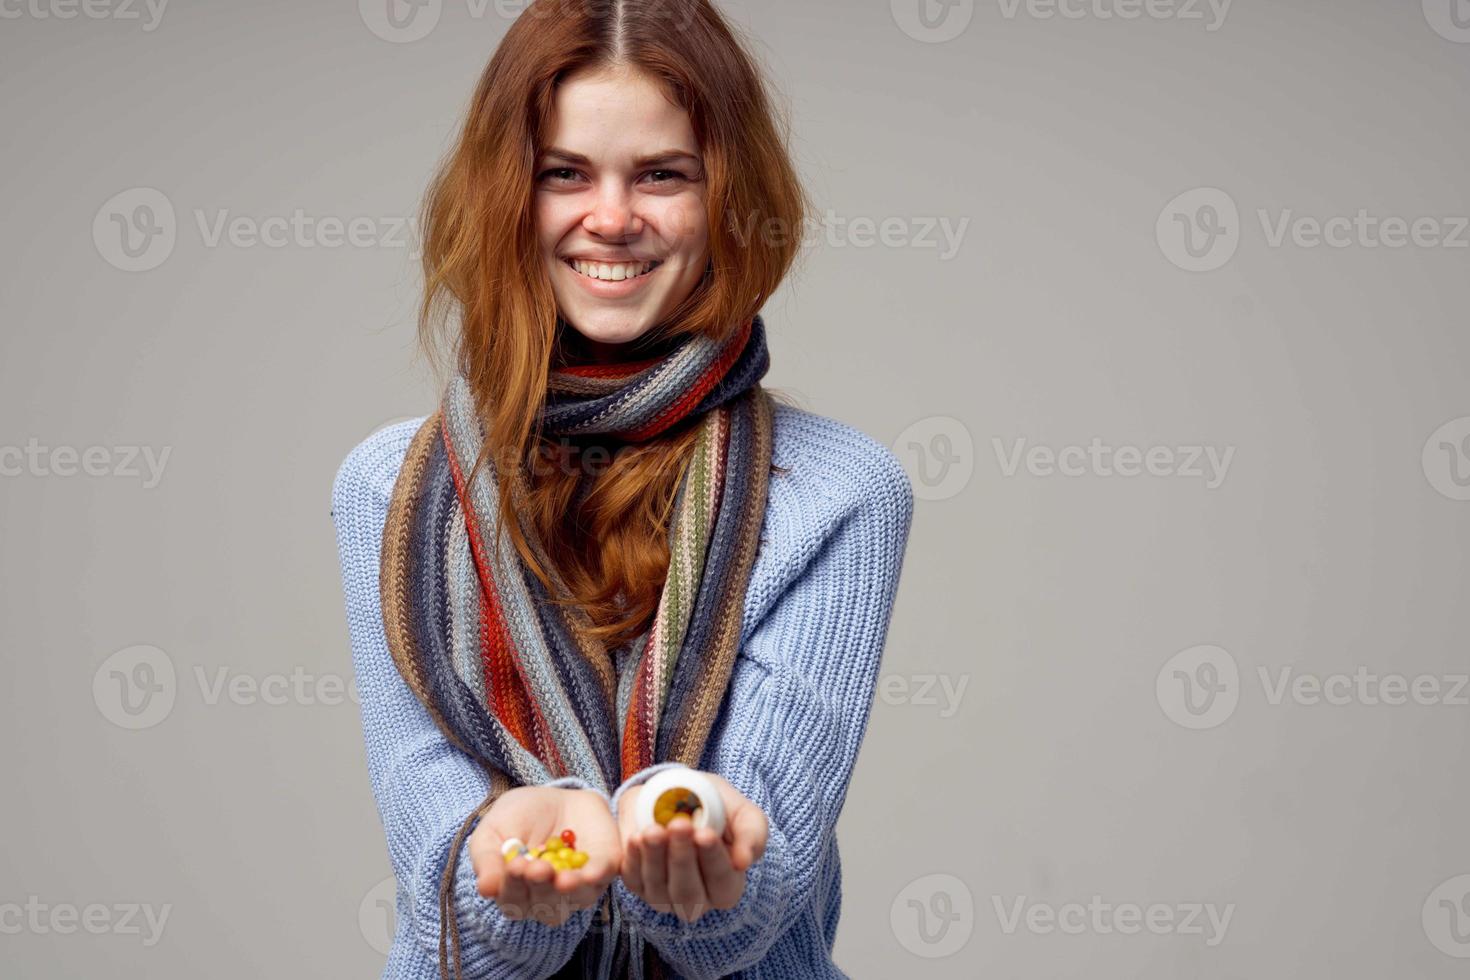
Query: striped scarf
{"x": 515, "y": 681}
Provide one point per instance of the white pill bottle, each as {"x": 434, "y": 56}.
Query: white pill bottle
{"x": 678, "y": 790}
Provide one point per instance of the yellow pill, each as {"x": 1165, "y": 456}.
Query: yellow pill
{"x": 578, "y": 859}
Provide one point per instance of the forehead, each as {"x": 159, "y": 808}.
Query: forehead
{"x": 617, "y": 112}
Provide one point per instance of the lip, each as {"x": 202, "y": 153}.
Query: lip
{"x": 609, "y": 289}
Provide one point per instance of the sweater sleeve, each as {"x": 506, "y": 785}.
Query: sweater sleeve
{"x": 792, "y": 724}
{"x": 424, "y": 786}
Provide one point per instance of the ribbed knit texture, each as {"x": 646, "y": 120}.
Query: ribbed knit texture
{"x": 814, "y": 622}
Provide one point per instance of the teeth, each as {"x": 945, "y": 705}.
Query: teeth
{"x": 612, "y": 271}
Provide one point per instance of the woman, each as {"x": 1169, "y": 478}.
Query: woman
{"x": 610, "y": 552}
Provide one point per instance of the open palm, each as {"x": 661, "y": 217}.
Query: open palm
{"x": 531, "y": 889}
{"x": 688, "y": 871}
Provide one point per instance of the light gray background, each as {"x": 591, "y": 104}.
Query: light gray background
{"x": 1056, "y": 601}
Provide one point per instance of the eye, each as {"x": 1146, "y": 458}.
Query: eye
{"x": 558, "y": 174}
{"x": 669, "y": 175}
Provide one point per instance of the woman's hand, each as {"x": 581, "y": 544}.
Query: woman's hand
{"x": 526, "y": 888}
{"x": 689, "y": 871}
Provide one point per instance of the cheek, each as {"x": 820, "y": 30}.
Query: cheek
{"x": 683, "y": 224}
{"x": 554, "y": 217}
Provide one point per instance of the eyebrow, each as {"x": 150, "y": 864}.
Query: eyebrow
{"x": 662, "y": 156}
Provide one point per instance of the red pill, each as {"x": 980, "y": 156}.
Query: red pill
{"x": 568, "y": 838}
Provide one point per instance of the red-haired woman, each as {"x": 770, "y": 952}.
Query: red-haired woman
{"x": 610, "y": 553}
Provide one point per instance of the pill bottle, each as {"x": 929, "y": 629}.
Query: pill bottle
{"x": 679, "y": 790}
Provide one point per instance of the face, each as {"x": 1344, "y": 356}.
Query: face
{"x": 620, "y": 207}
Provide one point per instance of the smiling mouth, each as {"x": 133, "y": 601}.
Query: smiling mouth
{"x": 612, "y": 271}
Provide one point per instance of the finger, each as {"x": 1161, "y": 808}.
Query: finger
{"x": 655, "y": 867}
{"x": 686, "y": 882}
{"x": 539, "y": 876}
{"x": 749, "y": 832}
{"x": 598, "y": 872}
{"x": 489, "y": 864}
{"x": 515, "y": 894}
{"x": 592, "y": 885}
{"x": 724, "y": 884}
{"x": 549, "y": 905}
{"x": 573, "y": 886}
{"x": 633, "y": 866}
{"x": 553, "y": 895}
{"x": 549, "y": 901}
{"x": 583, "y": 887}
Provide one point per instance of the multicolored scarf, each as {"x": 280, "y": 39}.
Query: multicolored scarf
{"x": 517, "y": 682}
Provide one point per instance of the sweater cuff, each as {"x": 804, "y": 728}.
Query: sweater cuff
{"x": 501, "y": 940}
{"x": 721, "y": 941}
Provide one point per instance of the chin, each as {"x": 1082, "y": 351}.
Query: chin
{"x": 609, "y": 326}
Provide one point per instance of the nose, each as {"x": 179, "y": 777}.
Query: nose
{"x": 612, "y": 214}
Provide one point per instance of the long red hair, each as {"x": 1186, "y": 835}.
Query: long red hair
{"x": 607, "y": 539}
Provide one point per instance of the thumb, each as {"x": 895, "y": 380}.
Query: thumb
{"x": 750, "y": 830}
{"x": 487, "y": 860}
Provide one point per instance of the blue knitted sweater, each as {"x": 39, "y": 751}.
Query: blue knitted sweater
{"x": 816, "y": 617}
